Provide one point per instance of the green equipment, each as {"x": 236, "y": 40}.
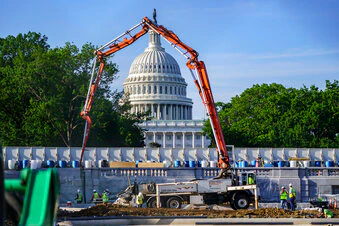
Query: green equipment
{"x": 38, "y": 191}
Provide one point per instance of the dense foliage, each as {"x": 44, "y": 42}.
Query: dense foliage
{"x": 42, "y": 93}
{"x": 275, "y": 116}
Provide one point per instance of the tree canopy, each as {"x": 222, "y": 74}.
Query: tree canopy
{"x": 275, "y": 116}
{"x": 43, "y": 90}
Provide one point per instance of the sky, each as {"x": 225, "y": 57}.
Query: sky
{"x": 242, "y": 42}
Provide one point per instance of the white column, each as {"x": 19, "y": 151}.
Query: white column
{"x": 158, "y": 111}
{"x": 183, "y": 139}
{"x": 164, "y": 140}
{"x": 173, "y": 139}
{"x": 154, "y": 137}
{"x": 193, "y": 140}
{"x": 165, "y": 112}
{"x": 171, "y": 112}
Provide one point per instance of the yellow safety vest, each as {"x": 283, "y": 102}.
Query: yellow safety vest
{"x": 283, "y": 195}
{"x": 105, "y": 197}
{"x": 140, "y": 199}
{"x": 96, "y": 195}
{"x": 79, "y": 197}
{"x": 250, "y": 180}
{"x": 292, "y": 193}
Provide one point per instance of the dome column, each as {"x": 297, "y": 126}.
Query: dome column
{"x": 173, "y": 140}
{"x": 170, "y": 111}
{"x": 165, "y": 110}
{"x": 193, "y": 140}
{"x": 178, "y": 112}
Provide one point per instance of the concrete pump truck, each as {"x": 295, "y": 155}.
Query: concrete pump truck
{"x": 237, "y": 189}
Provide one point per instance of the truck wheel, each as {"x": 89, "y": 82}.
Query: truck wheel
{"x": 174, "y": 203}
{"x": 152, "y": 203}
{"x": 241, "y": 201}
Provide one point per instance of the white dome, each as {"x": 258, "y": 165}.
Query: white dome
{"x": 154, "y": 62}
{"x": 155, "y": 84}
{"x": 154, "y": 59}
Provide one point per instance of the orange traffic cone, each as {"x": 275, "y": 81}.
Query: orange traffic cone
{"x": 335, "y": 203}
{"x": 330, "y": 204}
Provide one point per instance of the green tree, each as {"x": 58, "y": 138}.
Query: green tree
{"x": 274, "y": 116}
{"x": 43, "y": 91}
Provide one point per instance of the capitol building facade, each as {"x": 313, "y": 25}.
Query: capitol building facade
{"x": 155, "y": 85}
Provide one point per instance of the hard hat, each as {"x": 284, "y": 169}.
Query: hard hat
{"x": 78, "y": 190}
{"x": 140, "y": 193}
{"x": 94, "y": 190}
{"x": 106, "y": 190}
{"x": 290, "y": 185}
{"x": 282, "y": 187}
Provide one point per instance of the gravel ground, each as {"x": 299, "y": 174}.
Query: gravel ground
{"x": 114, "y": 210}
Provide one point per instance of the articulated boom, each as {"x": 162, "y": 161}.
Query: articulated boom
{"x": 202, "y": 83}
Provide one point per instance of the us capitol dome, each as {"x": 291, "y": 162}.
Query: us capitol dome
{"x": 155, "y": 85}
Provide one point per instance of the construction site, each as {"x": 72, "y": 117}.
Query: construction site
{"x": 180, "y": 179}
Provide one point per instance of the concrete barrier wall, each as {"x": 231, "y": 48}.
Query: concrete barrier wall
{"x": 308, "y": 182}
{"x": 130, "y": 154}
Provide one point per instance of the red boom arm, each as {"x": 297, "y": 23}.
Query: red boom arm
{"x": 202, "y": 83}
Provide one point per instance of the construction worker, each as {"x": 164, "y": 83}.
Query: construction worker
{"x": 328, "y": 213}
{"x": 139, "y": 200}
{"x": 95, "y": 196}
{"x": 292, "y": 197}
{"x": 78, "y": 197}
{"x": 250, "y": 179}
{"x": 105, "y": 196}
{"x": 283, "y": 197}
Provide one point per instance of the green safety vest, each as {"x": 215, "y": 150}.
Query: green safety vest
{"x": 283, "y": 195}
{"x": 140, "y": 199}
{"x": 292, "y": 193}
{"x": 328, "y": 213}
{"x": 105, "y": 197}
{"x": 250, "y": 180}
{"x": 79, "y": 198}
{"x": 96, "y": 195}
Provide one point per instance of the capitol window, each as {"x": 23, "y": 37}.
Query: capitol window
{"x": 175, "y": 90}
{"x": 165, "y": 89}
{"x": 159, "y": 137}
{"x": 169, "y": 137}
{"x": 198, "y": 137}
{"x": 149, "y": 89}
{"x": 171, "y": 90}
{"x": 155, "y": 89}
{"x": 150, "y": 137}
{"x": 178, "y": 137}
{"x": 143, "y": 89}
{"x": 160, "y": 90}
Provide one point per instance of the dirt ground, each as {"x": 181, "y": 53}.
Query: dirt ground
{"x": 114, "y": 210}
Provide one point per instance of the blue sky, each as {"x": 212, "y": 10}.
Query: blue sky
{"x": 242, "y": 43}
